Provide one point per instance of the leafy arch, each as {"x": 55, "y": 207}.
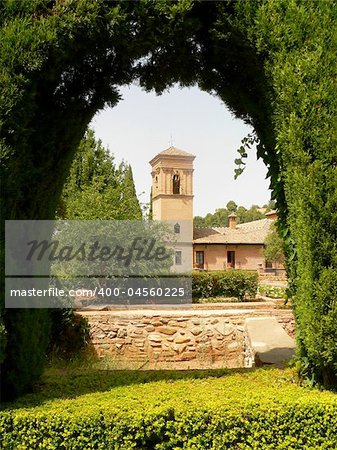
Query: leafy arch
{"x": 273, "y": 62}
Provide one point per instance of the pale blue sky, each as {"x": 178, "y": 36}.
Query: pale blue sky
{"x": 141, "y": 124}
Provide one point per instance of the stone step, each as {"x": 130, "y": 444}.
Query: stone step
{"x": 268, "y": 341}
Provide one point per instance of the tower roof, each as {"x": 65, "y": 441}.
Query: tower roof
{"x": 172, "y": 151}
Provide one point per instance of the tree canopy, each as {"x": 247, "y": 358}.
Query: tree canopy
{"x": 273, "y": 251}
{"x": 96, "y": 188}
{"x": 220, "y": 217}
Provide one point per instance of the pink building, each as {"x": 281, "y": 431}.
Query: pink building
{"x": 238, "y": 246}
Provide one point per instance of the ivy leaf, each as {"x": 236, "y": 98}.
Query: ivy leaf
{"x": 237, "y": 172}
{"x": 247, "y": 143}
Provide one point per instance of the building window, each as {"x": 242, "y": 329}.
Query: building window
{"x": 230, "y": 259}
{"x": 178, "y": 258}
{"x": 176, "y": 184}
{"x": 177, "y": 228}
{"x": 200, "y": 259}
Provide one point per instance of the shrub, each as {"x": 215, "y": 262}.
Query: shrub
{"x": 25, "y": 354}
{"x": 226, "y": 283}
{"x": 310, "y": 427}
{"x": 253, "y": 410}
{"x": 2, "y": 340}
{"x": 69, "y": 333}
{"x": 272, "y": 291}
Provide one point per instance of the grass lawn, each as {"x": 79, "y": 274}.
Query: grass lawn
{"x": 262, "y": 408}
{"x": 70, "y": 390}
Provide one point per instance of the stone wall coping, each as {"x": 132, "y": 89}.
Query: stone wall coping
{"x": 183, "y": 313}
{"x": 185, "y": 306}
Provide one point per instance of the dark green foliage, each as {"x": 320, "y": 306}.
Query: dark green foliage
{"x": 226, "y": 283}
{"x": 28, "y": 337}
{"x": 69, "y": 334}
{"x": 273, "y": 62}
{"x": 3, "y": 340}
{"x": 298, "y": 44}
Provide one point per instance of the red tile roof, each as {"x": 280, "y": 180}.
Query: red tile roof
{"x": 245, "y": 233}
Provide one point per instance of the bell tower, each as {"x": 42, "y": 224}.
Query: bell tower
{"x": 172, "y": 201}
{"x": 172, "y": 185}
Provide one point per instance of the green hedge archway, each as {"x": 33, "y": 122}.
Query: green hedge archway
{"x": 273, "y": 62}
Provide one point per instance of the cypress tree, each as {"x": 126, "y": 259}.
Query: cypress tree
{"x": 129, "y": 201}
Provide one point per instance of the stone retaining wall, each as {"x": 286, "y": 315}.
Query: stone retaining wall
{"x": 168, "y": 341}
{"x": 173, "y": 339}
{"x": 288, "y": 323}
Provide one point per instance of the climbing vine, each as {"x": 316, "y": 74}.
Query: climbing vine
{"x": 246, "y": 144}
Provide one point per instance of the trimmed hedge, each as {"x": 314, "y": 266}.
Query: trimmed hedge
{"x": 225, "y": 283}
{"x": 253, "y": 410}
{"x": 310, "y": 427}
